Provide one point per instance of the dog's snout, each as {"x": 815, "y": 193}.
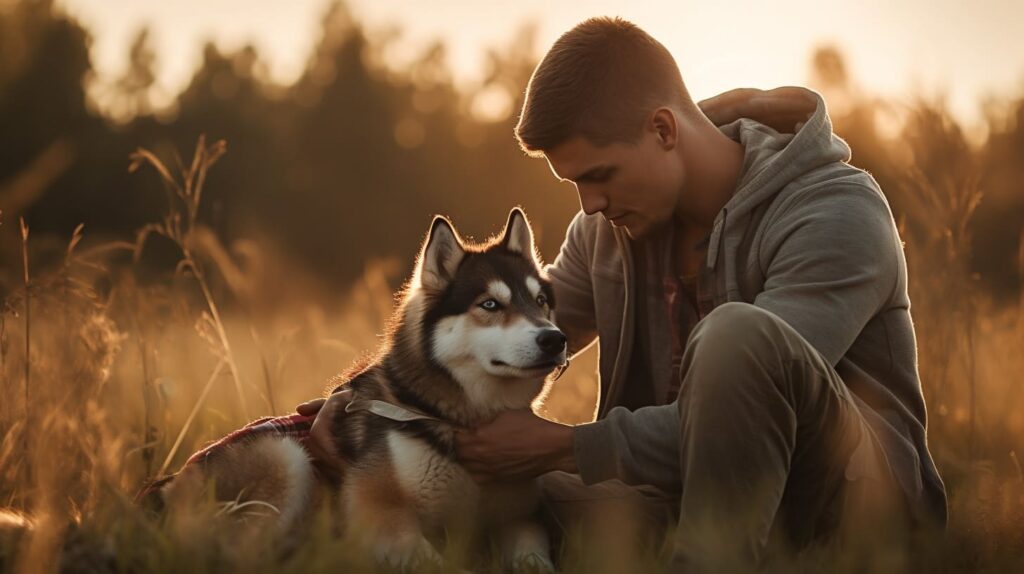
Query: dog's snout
{"x": 551, "y": 341}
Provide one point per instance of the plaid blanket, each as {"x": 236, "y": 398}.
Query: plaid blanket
{"x": 294, "y": 425}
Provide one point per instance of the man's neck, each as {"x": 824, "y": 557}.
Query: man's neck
{"x": 713, "y": 164}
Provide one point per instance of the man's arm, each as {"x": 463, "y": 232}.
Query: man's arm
{"x": 831, "y": 265}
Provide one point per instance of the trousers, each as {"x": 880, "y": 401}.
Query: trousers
{"x": 776, "y": 461}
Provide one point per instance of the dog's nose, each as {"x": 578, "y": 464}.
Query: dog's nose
{"x": 551, "y": 341}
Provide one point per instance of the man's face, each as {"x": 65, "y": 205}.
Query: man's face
{"x": 636, "y": 186}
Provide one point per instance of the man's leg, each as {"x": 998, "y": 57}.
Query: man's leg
{"x": 772, "y": 444}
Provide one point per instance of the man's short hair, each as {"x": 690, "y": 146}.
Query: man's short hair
{"x": 600, "y": 80}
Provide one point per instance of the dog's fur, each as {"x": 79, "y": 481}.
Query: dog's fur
{"x": 472, "y": 336}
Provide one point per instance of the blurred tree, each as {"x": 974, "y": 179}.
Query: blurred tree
{"x": 43, "y": 119}
{"x": 357, "y": 192}
{"x": 349, "y": 163}
{"x": 43, "y": 98}
{"x": 133, "y": 90}
{"x": 227, "y": 99}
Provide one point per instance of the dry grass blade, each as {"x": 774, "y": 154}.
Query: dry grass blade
{"x": 235, "y": 506}
{"x": 191, "y": 418}
{"x": 213, "y": 153}
{"x": 180, "y": 228}
{"x": 143, "y": 156}
{"x": 76, "y": 238}
{"x": 28, "y": 325}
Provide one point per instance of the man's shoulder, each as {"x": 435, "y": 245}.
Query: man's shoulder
{"x": 831, "y": 176}
{"x": 835, "y": 185}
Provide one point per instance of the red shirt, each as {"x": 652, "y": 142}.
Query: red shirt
{"x": 689, "y": 300}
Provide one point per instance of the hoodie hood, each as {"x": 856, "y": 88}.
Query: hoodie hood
{"x": 772, "y": 160}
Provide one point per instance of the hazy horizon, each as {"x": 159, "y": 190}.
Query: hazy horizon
{"x": 915, "y": 47}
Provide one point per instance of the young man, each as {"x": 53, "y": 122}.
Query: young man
{"x": 748, "y": 292}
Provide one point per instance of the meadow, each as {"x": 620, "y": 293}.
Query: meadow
{"x": 233, "y": 283}
{"x": 109, "y": 379}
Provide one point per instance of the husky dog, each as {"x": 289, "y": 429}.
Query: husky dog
{"x": 471, "y": 337}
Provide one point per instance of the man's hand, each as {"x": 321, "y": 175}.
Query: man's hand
{"x": 516, "y": 445}
{"x": 321, "y": 439}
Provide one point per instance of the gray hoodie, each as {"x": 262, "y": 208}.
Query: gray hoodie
{"x": 806, "y": 236}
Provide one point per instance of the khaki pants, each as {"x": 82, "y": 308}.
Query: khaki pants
{"x": 776, "y": 461}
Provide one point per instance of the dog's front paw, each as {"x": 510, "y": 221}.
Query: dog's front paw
{"x": 532, "y": 563}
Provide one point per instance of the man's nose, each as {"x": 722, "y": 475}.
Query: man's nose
{"x": 591, "y": 200}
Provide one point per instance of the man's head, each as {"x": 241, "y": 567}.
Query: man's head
{"x": 606, "y": 107}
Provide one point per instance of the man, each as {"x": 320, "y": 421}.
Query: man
{"x": 748, "y": 292}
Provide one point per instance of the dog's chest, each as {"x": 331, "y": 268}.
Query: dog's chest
{"x": 438, "y": 486}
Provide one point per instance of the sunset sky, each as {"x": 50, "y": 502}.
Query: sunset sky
{"x": 966, "y": 50}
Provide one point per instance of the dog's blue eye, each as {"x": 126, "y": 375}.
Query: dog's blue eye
{"x": 490, "y": 305}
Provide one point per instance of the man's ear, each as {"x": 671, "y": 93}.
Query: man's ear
{"x": 518, "y": 237}
{"x": 440, "y": 256}
{"x": 665, "y": 125}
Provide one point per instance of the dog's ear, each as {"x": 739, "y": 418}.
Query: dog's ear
{"x": 440, "y": 257}
{"x": 518, "y": 236}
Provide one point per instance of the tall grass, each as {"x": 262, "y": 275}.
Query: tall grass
{"x": 120, "y": 372}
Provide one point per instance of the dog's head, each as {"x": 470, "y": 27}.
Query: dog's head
{"x": 487, "y": 309}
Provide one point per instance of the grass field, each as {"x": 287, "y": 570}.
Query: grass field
{"x": 109, "y": 378}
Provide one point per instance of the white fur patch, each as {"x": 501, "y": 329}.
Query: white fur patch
{"x": 299, "y": 472}
{"x": 500, "y": 291}
{"x": 438, "y": 485}
{"x": 533, "y": 285}
{"x": 488, "y": 362}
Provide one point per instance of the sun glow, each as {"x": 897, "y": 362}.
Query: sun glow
{"x": 892, "y": 49}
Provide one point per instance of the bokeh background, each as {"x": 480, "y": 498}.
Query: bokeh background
{"x": 162, "y": 306}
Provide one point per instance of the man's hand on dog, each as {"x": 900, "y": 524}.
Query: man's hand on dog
{"x": 321, "y": 443}
{"x": 516, "y": 445}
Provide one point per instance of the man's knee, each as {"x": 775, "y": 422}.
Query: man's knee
{"x": 732, "y": 330}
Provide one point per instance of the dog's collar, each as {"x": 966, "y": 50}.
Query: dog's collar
{"x": 560, "y": 370}
{"x": 398, "y": 413}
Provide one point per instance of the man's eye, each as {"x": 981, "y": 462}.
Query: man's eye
{"x": 490, "y": 305}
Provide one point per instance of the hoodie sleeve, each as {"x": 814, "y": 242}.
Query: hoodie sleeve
{"x": 830, "y": 265}
{"x": 571, "y": 282}
{"x": 636, "y": 447}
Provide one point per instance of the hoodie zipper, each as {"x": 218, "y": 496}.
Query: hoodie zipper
{"x": 625, "y": 343}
